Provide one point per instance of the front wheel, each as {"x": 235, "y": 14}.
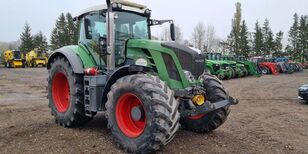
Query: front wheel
{"x": 204, "y": 123}
{"x": 65, "y": 93}
{"x": 265, "y": 70}
{"x": 142, "y": 113}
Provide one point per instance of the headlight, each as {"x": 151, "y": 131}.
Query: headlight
{"x": 189, "y": 76}
{"x": 141, "y": 62}
{"x": 116, "y": 6}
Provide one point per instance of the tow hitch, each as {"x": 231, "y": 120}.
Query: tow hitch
{"x": 208, "y": 107}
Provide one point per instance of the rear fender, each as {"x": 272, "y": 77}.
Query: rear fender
{"x": 71, "y": 56}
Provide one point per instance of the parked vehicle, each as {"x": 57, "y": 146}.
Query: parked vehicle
{"x": 266, "y": 66}
{"x": 218, "y": 68}
{"x": 146, "y": 88}
{"x": 35, "y": 58}
{"x": 303, "y": 93}
{"x": 13, "y": 59}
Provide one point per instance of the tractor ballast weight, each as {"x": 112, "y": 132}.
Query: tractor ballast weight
{"x": 147, "y": 88}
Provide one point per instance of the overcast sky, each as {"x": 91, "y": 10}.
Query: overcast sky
{"x": 41, "y": 15}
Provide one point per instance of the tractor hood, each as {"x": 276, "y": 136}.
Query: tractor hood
{"x": 189, "y": 58}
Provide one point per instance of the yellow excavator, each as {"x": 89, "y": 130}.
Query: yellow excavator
{"x": 36, "y": 57}
{"x": 13, "y": 59}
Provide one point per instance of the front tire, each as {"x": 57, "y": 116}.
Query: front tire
{"x": 205, "y": 123}
{"x": 65, "y": 93}
{"x": 158, "y": 117}
{"x": 265, "y": 70}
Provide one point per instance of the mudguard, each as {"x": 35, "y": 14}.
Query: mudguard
{"x": 71, "y": 56}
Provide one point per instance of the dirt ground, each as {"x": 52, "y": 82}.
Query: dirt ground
{"x": 268, "y": 119}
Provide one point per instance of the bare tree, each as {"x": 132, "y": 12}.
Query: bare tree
{"x": 210, "y": 38}
{"x": 165, "y": 35}
{"x": 198, "y": 36}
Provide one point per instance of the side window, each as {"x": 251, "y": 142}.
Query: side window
{"x": 92, "y": 28}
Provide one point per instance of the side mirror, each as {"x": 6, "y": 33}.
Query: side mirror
{"x": 88, "y": 30}
{"x": 172, "y": 31}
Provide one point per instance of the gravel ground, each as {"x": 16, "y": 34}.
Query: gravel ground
{"x": 268, "y": 119}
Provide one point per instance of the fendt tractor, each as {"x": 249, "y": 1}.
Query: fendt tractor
{"x": 13, "y": 59}
{"x": 36, "y": 58}
{"x": 146, "y": 88}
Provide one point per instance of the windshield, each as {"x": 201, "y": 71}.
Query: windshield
{"x": 130, "y": 25}
{"x": 17, "y": 54}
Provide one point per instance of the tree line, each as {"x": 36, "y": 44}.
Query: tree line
{"x": 263, "y": 41}
{"x": 64, "y": 33}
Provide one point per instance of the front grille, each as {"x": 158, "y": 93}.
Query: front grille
{"x": 189, "y": 59}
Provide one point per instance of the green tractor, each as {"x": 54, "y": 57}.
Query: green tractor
{"x": 250, "y": 66}
{"x": 146, "y": 88}
{"x": 240, "y": 69}
{"x": 218, "y": 68}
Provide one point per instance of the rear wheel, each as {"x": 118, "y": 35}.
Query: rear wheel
{"x": 65, "y": 93}
{"x": 142, "y": 113}
{"x": 204, "y": 123}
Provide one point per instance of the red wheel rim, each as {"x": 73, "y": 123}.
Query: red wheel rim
{"x": 126, "y": 123}
{"x": 60, "y": 92}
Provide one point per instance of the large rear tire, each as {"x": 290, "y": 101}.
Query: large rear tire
{"x": 157, "y": 113}
{"x": 65, "y": 93}
{"x": 205, "y": 123}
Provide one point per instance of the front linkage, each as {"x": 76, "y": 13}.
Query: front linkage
{"x": 198, "y": 105}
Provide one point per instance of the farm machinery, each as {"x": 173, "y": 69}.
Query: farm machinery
{"x": 218, "y": 68}
{"x": 240, "y": 69}
{"x": 250, "y": 66}
{"x": 146, "y": 88}
{"x": 36, "y": 57}
{"x": 266, "y": 66}
{"x": 13, "y": 59}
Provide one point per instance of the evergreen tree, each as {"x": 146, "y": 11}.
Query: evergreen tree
{"x": 65, "y": 32}
{"x": 234, "y": 37}
{"x": 244, "y": 42}
{"x": 278, "y": 45}
{"x": 302, "y": 36}
{"x": 40, "y": 41}
{"x": 258, "y": 40}
{"x": 26, "y": 39}
{"x": 60, "y": 36}
{"x": 72, "y": 29}
{"x": 294, "y": 38}
{"x": 269, "y": 44}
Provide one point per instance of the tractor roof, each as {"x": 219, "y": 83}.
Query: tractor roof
{"x": 126, "y": 5}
